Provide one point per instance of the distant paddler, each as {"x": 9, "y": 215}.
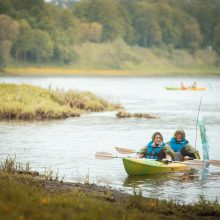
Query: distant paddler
{"x": 183, "y": 150}
{"x": 182, "y": 86}
{"x": 194, "y": 85}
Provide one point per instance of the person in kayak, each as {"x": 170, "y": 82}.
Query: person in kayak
{"x": 156, "y": 149}
{"x": 183, "y": 150}
{"x": 182, "y": 86}
{"x": 194, "y": 85}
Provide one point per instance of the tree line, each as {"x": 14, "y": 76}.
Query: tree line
{"x": 38, "y": 31}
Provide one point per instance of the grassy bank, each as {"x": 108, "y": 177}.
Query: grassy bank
{"x": 26, "y": 102}
{"x": 24, "y": 196}
{"x": 117, "y": 58}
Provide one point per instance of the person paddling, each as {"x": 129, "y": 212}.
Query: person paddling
{"x": 194, "y": 85}
{"x": 156, "y": 149}
{"x": 183, "y": 150}
{"x": 182, "y": 86}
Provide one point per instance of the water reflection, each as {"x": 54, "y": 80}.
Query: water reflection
{"x": 161, "y": 179}
{"x": 181, "y": 187}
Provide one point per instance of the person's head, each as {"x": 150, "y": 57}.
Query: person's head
{"x": 157, "y": 138}
{"x": 179, "y": 135}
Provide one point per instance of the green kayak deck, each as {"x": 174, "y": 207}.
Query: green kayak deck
{"x": 137, "y": 167}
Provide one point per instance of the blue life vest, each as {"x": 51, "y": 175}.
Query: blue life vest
{"x": 152, "y": 151}
{"x": 176, "y": 145}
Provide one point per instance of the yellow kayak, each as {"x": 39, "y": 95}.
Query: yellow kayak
{"x": 189, "y": 88}
{"x": 137, "y": 166}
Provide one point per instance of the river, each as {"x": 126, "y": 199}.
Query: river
{"x": 68, "y": 146}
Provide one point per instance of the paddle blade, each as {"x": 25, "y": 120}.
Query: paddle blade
{"x": 214, "y": 162}
{"x": 104, "y": 156}
{"x": 125, "y": 150}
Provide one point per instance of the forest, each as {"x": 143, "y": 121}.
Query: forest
{"x": 50, "y": 32}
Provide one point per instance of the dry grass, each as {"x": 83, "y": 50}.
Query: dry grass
{"x": 26, "y": 102}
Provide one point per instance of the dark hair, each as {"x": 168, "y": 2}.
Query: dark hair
{"x": 154, "y": 135}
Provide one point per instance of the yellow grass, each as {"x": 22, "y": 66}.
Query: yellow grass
{"x": 28, "y": 102}
{"x": 150, "y": 71}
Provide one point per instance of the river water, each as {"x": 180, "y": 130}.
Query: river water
{"x": 68, "y": 146}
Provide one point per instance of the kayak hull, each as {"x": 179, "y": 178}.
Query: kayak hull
{"x": 191, "y": 89}
{"x": 137, "y": 167}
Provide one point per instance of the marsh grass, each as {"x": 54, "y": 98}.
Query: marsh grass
{"x": 27, "y": 197}
{"x": 26, "y": 102}
{"x": 10, "y": 165}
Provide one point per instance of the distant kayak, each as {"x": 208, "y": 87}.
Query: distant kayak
{"x": 136, "y": 166}
{"x": 189, "y": 88}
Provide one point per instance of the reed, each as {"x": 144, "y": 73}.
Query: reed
{"x": 26, "y": 102}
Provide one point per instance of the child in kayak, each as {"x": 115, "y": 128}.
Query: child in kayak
{"x": 156, "y": 149}
{"x": 183, "y": 150}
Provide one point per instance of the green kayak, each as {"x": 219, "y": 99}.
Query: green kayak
{"x": 136, "y": 166}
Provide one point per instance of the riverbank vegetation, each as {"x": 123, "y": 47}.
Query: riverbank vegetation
{"x": 25, "y": 196}
{"x": 26, "y": 102}
{"x": 139, "y": 37}
{"x": 123, "y": 60}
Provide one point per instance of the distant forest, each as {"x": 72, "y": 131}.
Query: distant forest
{"x": 37, "y": 31}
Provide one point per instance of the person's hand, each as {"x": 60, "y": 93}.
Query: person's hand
{"x": 164, "y": 160}
{"x": 186, "y": 158}
{"x": 168, "y": 157}
{"x": 140, "y": 155}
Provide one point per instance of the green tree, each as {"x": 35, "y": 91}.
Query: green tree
{"x": 216, "y": 40}
{"x": 90, "y": 31}
{"x": 108, "y": 13}
{"x": 63, "y": 51}
{"x": 146, "y": 24}
{"x": 41, "y": 45}
{"x": 22, "y": 43}
{"x": 191, "y": 36}
{"x": 9, "y": 29}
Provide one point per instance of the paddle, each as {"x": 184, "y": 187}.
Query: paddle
{"x": 105, "y": 156}
{"x": 212, "y": 162}
{"x": 125, "y": 150}
{"x": 108, "y": 156}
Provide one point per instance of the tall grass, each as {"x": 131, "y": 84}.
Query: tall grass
{"x": 28, "y": 102}
{"x": 10, "y": 165}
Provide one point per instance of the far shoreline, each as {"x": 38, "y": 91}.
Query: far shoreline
{"x": 151, "y": 72}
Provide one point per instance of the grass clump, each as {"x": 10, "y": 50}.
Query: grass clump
{"x": 10, "y": 165}
{"x": 26, "y": 102}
